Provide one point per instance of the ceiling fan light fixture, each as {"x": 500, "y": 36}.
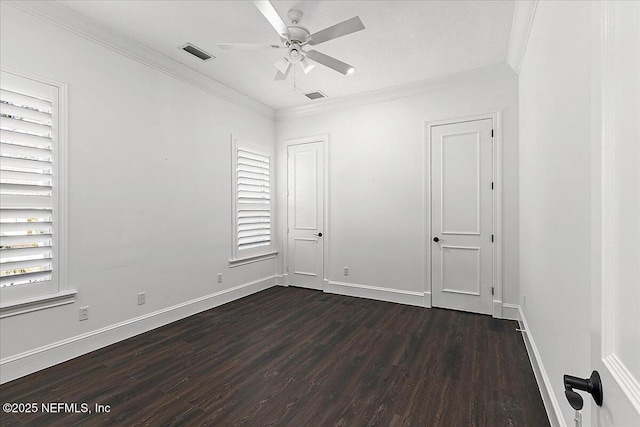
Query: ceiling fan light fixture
{"x": 295, "y": 54}
{"x": 283, "y": 65}
{"x": 306, "y": 65}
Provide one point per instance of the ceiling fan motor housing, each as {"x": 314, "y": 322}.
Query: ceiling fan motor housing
{"x": 297, "y": 34}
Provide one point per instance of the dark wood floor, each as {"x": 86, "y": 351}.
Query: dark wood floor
{"x": 294, "y": 357}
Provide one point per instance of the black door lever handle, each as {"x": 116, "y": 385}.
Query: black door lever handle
{"x": 592, "y": 385}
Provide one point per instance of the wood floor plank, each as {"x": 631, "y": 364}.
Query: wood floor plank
{"x": 295, "y": 357}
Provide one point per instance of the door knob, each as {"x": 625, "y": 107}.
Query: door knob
{"x": 435, "y": 239}
{"x": 319, "y": 234}
{"x": 592, "y": 385}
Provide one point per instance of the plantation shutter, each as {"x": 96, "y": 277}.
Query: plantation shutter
{"x": 26, "y": 188}
{"x": 253, "y": 201}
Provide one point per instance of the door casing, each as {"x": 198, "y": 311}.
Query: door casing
{"x": 497, "y": 206}
{"x": 324, "y": 139}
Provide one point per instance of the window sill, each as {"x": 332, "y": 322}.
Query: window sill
{"x": 15, "y": 308}
{"x": 236, "y": 262}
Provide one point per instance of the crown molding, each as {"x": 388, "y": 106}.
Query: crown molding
{"x": 520, "y": 29}
{"x": 70, "y": 20}
{"x": 492, "y": 72}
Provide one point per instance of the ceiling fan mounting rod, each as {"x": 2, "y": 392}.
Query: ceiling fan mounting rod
{"x": 295, "y": 16}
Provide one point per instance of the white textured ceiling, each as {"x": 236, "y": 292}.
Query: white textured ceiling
{"x": 404, "y": 41}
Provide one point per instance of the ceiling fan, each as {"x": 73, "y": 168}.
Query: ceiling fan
{"x": 294, "y": 37}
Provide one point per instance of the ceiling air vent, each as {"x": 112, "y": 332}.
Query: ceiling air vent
{"x": 196, "y": 51}
{"x": 315, "y": 95}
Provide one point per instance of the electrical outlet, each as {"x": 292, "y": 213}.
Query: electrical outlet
{"x": 84, "y": 313}
{"x": 219, "y": 277}
{"x": 346, "y": 271}
{"x": 142, "y": 298}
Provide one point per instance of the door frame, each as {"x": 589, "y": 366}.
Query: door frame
{"x": 497, "y": 303}
{"x": 324, "y": 139}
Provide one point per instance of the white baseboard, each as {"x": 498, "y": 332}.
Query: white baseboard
{"x": 22, "y": 364}
{"x": 497, "y": 309}
{"x": 511, "y": 311}
{"x": 551, "y": 404}
{"x": 377, "y": 293}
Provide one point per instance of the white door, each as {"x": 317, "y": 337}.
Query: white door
{"x": 305, "y": 214}
{"x": 616, "y": 227}
{"x": 462, "y": 216}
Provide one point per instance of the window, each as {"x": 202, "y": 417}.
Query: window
{"x": 252, "y": 204}
{"x": 31, "y": 197}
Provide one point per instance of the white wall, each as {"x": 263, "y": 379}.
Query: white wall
{"x": 377, "y": 183}
{"x": 149, "y": 173}
{"x": 555, "y": 191}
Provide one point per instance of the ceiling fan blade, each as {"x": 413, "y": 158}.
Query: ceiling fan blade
{"x": 283, "y": 76}
{"x": 306, "y": 66}
{"x": 268, "y": 11}
{"x": 283, "y": 65}
{"x": 342, "y": 29}
{"x": 330, "y": 62}
{"x": 243, "y": 46}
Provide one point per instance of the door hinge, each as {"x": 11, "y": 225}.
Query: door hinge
{"x": 492, "y": 290}
{"x": 492, "y": 185}
{"x": 492, "y": 237}
{"x": 491, "y": 133}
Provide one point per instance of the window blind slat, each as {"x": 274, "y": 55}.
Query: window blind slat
{"x": 26, "y": 100}
{"x": 246, "y": 154}
{"x": 25, "y": 267}
{"x": 255, "y": 221}
{"x": 253, "y": 195}
{"x": 27, "y": 232}
{"x": 34, "y": 277}
{"x": 254, "y": 188}
{"x": 254, "y": 226}
{"x": 258, "y": 183}
{"x": 16, "y": 219}
{"x": 31, "y": 201}
{"x": 253, "y": 163}
{"x": 254, "y": 233}
{"x": 25, "y": 155}
{"x": 20, "y": 258}
{"x": 253, "y": 212}
{"x": 36, "y": 116}
{"x": 259, "y": 239}
{"x": 253, "y": 169}
{"x": 20, "y": 139}
{"x": 21, "y": 169}
{"x": 21, "y": 126}
{"x": 6, "y": 244}
{"x": 253, "y": 245}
